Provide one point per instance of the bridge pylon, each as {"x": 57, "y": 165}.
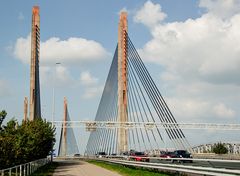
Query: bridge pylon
{"x": 34, "y": 102}
{"x": 122, "y": 82}
{"x": 25, "y": 107}
{"x": 67, "y": 144}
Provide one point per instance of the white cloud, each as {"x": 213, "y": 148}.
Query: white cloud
{"x": 200, "y": 60}
{"x": 22, "y": 49}
{"x": 63, "y": 75}
{"x": 197, "y": 110}
{"x": 91, "y": 87}
{"x": 92, "y": 92}
{"x": 46, "y": 75}
{"x": 72, "y": 50}
{"x": 222, "y": 111}
{"x": 150, "y": 14}
{"x": 87, "y": 79}
{"x": 221, "y": 8}
{"x": 188, "y": 110}
{"x": 204, "y": 48}
{"x": 60, "y": 76}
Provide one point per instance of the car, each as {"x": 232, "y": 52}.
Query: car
{"x": 168, "y": 155}
{"x": 139, "y": 156}
{"x": 76, "y": 155}
{"x": 182, "y": 154}
{"x": 101, "y": 154}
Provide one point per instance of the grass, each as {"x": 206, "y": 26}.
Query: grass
{"x": 46, "y": 170}
{"x": 127, "y": 171}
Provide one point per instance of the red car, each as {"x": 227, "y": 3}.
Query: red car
{"x": 139, "y": 156}
{"x": 168, "y": 155}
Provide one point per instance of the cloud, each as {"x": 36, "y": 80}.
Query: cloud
{"x": 60, "y": 76}
{"x": 63, "y": 75}
{"x": 150, "y": 14}
{"x": 199, "y": 57}
{"x": 46, "y": 75}
{"x": 204, "y": 48}
{"x": 87, "y": 79}
{"x": 71, "y": 50}
{"x": 197, "y": 110}
{"x": 221, "y": 8}
{"x": 187, "y": 109}
{"x": 222, "y": 111}
{"x": 92, "y": 92}
{"x": 91, "y": 87}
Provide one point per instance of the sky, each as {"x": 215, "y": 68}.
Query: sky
{"x": 191, "y": 49}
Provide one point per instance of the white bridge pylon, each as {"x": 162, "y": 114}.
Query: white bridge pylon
{"x": 93, "y": 125}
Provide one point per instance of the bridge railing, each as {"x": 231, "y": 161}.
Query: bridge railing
{"x": 25, "y": 169}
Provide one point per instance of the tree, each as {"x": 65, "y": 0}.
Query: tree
{"x": 3, "y": 114}
{"x": 38, "y": 138}
{"x": 220, "y": 148}
{"x": 7, "y": 144}
{"x": 26, "y": 142}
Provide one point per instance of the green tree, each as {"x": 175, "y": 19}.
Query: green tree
{"x": 220, "y": 148}
{"x": 26, "y": 142}
{"x": 37, "y": 139}
{"x": 3, "y": 114}
{"x": 7, "y": 144}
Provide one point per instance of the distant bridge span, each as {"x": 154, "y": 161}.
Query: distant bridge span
{"x": 91, "y": 125}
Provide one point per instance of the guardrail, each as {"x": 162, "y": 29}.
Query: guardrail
{"x": 176, "y": 168}
{"x": 216, "y": 156}
{"x": 198, "y": 167}
{"x": 25, "y": 169}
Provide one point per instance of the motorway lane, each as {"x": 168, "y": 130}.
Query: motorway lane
{"x": 226, "y": 165}
{"x": 80, "y": 168}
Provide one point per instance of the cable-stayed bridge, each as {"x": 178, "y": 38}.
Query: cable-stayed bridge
{"x": 132, "y": 113}
{"x": 130, "y": 96}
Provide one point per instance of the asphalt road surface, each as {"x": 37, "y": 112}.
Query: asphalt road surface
{"x": 226, "y": 165}
{"x": 81, "y": 168}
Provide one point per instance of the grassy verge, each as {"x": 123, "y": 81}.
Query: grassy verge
{"x": 46, "y": 170}
{"x": 127, "y": 171}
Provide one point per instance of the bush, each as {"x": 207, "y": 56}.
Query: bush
{"x": 219, "y": 148}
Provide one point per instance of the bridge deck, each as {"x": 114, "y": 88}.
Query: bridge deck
{"x": 81, "y": 168}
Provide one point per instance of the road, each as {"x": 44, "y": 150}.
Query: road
{"x": 80, "y": 168}
{"x": 226, "y": 165}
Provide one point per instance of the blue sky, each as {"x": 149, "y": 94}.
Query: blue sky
{"x": 190, "y": 47}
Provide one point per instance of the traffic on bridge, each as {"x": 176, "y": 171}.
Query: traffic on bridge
{"x": 137, "y": 129}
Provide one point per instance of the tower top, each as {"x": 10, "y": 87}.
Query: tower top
{"x": 35, "y": 10}
{"x": 123, "y": 23}
{"x": 65, "y": 100}
{"x": 123, "y": 15}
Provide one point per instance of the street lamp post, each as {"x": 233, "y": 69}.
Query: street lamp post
{"x": 53, "y": 105}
